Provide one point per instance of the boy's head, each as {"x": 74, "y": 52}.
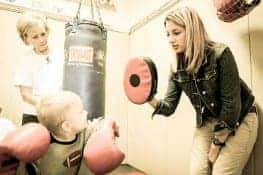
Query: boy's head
{"x": 62, "y": 113}
{"x": 33, "y": 30}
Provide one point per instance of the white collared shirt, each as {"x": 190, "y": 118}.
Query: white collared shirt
{"x": 43, "y": 73}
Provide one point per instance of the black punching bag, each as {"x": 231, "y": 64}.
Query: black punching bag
{"x": 84, "y": 68}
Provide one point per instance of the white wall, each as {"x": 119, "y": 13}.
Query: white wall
{"x": 116, "y": 102}
{"x": 256, "y": 41}
{"x": 139, "y": 9}
{"x": 11, "y": 49}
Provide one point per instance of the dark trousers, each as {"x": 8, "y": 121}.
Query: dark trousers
{"x": 27, "y": 118}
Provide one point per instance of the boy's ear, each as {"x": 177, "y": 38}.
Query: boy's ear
{"x": 66, "y": 126}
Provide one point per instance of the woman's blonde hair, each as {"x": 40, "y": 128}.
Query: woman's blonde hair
{"x": 27, "y": 21}
{"x": 197, "y": 39}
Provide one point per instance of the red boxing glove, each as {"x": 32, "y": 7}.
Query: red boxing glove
{"x": 101, "y": 153}
{"x": 230, "y": 10}
{"x": 8, "y": 165}
{"x": 27, "y": 143}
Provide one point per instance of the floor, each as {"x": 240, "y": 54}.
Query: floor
{"x": 126, "y": 169}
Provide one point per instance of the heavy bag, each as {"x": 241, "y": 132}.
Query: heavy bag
{"x": 140, "y": 80}
{"x": 230, "y": 10}
{"x": 84, "y": 67}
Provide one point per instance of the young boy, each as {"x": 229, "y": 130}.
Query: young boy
{"x": 64, "y": 116}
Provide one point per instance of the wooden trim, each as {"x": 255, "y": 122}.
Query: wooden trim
{"x": 20, "y": 9}
{"x": 154, "y": 14}
{"x": 133, "y": 28}
{"x": 111, "y": 6}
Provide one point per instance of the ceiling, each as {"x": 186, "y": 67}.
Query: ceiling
{"x": 118, "y": 15}
{"x": 102, "y": 4}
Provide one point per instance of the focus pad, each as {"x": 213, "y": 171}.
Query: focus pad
{"x": 140, "y": 80}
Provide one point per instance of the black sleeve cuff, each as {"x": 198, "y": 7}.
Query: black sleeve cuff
{"x": 223, "y": 125}
{"x": 157, "y": 109}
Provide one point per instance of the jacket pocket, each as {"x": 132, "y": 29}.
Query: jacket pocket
{"x": 209, "y": 75}
{"x": 207, "y": 82}
{"x": 182, "y": 77}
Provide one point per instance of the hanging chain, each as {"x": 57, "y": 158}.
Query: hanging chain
{"x": 78, "y": 12}
{"x": 98, "y": 13}
{"x": 92, "y": 9}
{"x": 77, "y": 17}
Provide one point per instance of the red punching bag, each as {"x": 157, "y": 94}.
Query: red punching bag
{"x": 230, "y": 10}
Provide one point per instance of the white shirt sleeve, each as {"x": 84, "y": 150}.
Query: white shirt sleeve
{"x": 24, "y": 74}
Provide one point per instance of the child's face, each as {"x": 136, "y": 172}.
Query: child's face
{"x": 76, "y": 117}
{"x": 38, "y": 37}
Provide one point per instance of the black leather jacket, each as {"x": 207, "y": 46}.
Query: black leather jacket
{"x": 215, "y": 90}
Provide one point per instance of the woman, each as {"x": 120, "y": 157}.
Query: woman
{"x": 226, "y": 120}
{"x": 41, "y": 70}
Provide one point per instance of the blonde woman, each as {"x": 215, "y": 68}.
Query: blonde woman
{"x": 41, "y": 69}
{"x": 226, "y": 120}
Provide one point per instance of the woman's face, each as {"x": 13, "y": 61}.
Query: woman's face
{"x": 176, "y": 37}
{"x": 38, "y": 37}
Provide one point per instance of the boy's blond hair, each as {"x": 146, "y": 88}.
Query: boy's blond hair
{"x": 51, "y": 109}
{"x": 27, "y": 21}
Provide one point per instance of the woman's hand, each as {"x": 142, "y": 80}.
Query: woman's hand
{"x": 153, "y": 102}
{"x": 27, "y": 95}
{"x": 214, "y": 151}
